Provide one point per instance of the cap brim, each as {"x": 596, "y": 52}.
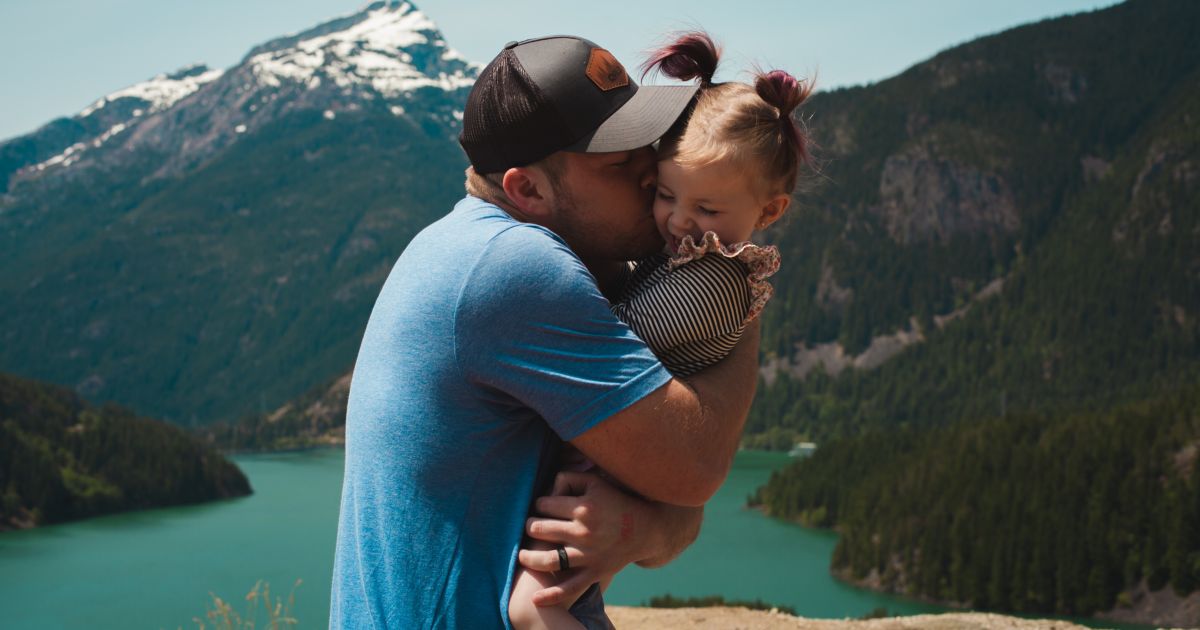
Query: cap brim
{"x": 643, "y": 119}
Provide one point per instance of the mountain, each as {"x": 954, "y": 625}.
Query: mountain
{"x": 62, "y": 458}
{"x": 996, "y": 332}
{"x": 1009, "y": 226}
{"x": 316, "y": 418}
{"x": 209, "y": 243}
{"x": 64, "y": 142}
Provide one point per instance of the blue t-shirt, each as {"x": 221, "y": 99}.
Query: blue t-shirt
{"x": 489, "y": 342}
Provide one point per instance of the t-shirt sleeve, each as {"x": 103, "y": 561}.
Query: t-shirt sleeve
{"x": 530, "y": 322}
{"x": 704, "y": 299}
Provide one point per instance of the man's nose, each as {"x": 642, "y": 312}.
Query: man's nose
{"x": 649, "y": 179}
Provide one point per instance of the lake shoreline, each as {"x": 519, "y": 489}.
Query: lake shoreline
{"x": 331, "y": 444}
{"x": 28, "y": 523}
{"x": 1149, "y": 617}
{"x": 18, "y": 522}
{"x": 228, "y": 545}
{"x": 1151, "y": 609}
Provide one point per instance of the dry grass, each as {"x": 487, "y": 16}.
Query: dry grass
{"x": 221, "y": 615}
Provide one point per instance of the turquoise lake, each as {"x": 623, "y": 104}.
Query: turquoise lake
{"x": 156, "y": 569}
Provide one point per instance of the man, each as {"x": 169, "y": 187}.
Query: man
{"x": 491, "y": 343}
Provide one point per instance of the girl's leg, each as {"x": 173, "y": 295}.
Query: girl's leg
{"x": 521, "y": 611}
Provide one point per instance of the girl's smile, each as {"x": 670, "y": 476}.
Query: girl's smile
{"x": 717, "y": 197}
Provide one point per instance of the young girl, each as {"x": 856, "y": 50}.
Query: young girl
{"x": 726, "y": 169}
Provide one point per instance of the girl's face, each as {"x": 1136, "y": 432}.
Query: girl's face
{"x": 717, "y": 198}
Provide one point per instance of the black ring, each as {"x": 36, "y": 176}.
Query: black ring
{"x": 563, "y": 563}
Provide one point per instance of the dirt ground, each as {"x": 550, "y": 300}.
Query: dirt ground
{"x": 625, "y": 618}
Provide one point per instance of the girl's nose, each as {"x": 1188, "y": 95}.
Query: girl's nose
{"x": 681, "y": 221}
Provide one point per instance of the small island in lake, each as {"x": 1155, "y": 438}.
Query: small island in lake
{"x": 63, "y": 458}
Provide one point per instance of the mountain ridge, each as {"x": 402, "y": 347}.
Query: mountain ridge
{"x": 261, "y": 186}
{"x": 368, "y": 50}
{"x": 929, "y": 204}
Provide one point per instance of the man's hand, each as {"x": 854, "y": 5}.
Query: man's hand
{"x": 603, "y": 529}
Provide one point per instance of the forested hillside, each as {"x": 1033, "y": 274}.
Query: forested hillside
{"x": 317, "y": 418}
{"x": 219, "y": 253}
{"x": 62, "y": 458}
{"x": 1022, "y": 209}
{"x": 1025, "y": 513}
{"x": 999, "y": 323}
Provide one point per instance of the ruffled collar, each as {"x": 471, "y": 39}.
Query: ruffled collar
{"x": 761, "y": 263}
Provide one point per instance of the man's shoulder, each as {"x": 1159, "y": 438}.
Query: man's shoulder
{"x": 505, "y": 247}
{"x": 486, "y": 225}
{"x": 523, "y": 266}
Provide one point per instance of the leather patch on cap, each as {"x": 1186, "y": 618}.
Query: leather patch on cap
{"x": 605, "y": 71}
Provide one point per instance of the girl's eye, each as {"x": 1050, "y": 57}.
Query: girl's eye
{"x": 665, "y": 196}
{"x": 706, "y": 212}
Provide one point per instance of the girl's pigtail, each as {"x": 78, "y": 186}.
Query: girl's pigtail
{"x": 786, "y": 93}
{"x": 691, "y": 55}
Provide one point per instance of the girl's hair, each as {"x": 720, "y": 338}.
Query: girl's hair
{"x": 751, "y": 125}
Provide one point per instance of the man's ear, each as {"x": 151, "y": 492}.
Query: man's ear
{"x": 530, "y": 191}
{"x": 773, "y": 209}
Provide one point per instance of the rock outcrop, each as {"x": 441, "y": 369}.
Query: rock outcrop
{"x": 927, "y": 196}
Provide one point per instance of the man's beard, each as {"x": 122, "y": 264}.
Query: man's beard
{"x": 590, "y": 246}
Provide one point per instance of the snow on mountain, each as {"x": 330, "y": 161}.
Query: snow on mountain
{"x": 72, "y": 153}
{"x": 371, "y": 51}
{"x": 112, "y": 114}
{"x": 162, "y": 91}
{"x": 390, "y": 53}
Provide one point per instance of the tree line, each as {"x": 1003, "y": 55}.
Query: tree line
{"x": 1031, "y": 513}
{"x": 62, "y": 458}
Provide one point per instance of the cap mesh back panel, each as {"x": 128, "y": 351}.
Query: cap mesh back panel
{"x": 508, "y": 121}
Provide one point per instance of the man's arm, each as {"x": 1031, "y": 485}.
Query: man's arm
{"x": 676, "y": 444}
{"x": 532, "y": 324}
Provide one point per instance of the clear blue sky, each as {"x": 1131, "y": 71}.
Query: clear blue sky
{"x": 60, "y": 55}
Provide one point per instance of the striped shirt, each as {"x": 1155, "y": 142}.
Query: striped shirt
{"x": 691, "y": 316}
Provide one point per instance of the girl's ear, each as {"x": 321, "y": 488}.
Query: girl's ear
{"x": 771, "y": 212}
{"x": 530, "y": 191}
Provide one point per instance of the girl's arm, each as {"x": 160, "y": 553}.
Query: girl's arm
{"x": 692, "y": 316}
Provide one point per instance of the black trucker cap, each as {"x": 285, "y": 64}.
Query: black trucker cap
{"x": 561, "y": 93}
